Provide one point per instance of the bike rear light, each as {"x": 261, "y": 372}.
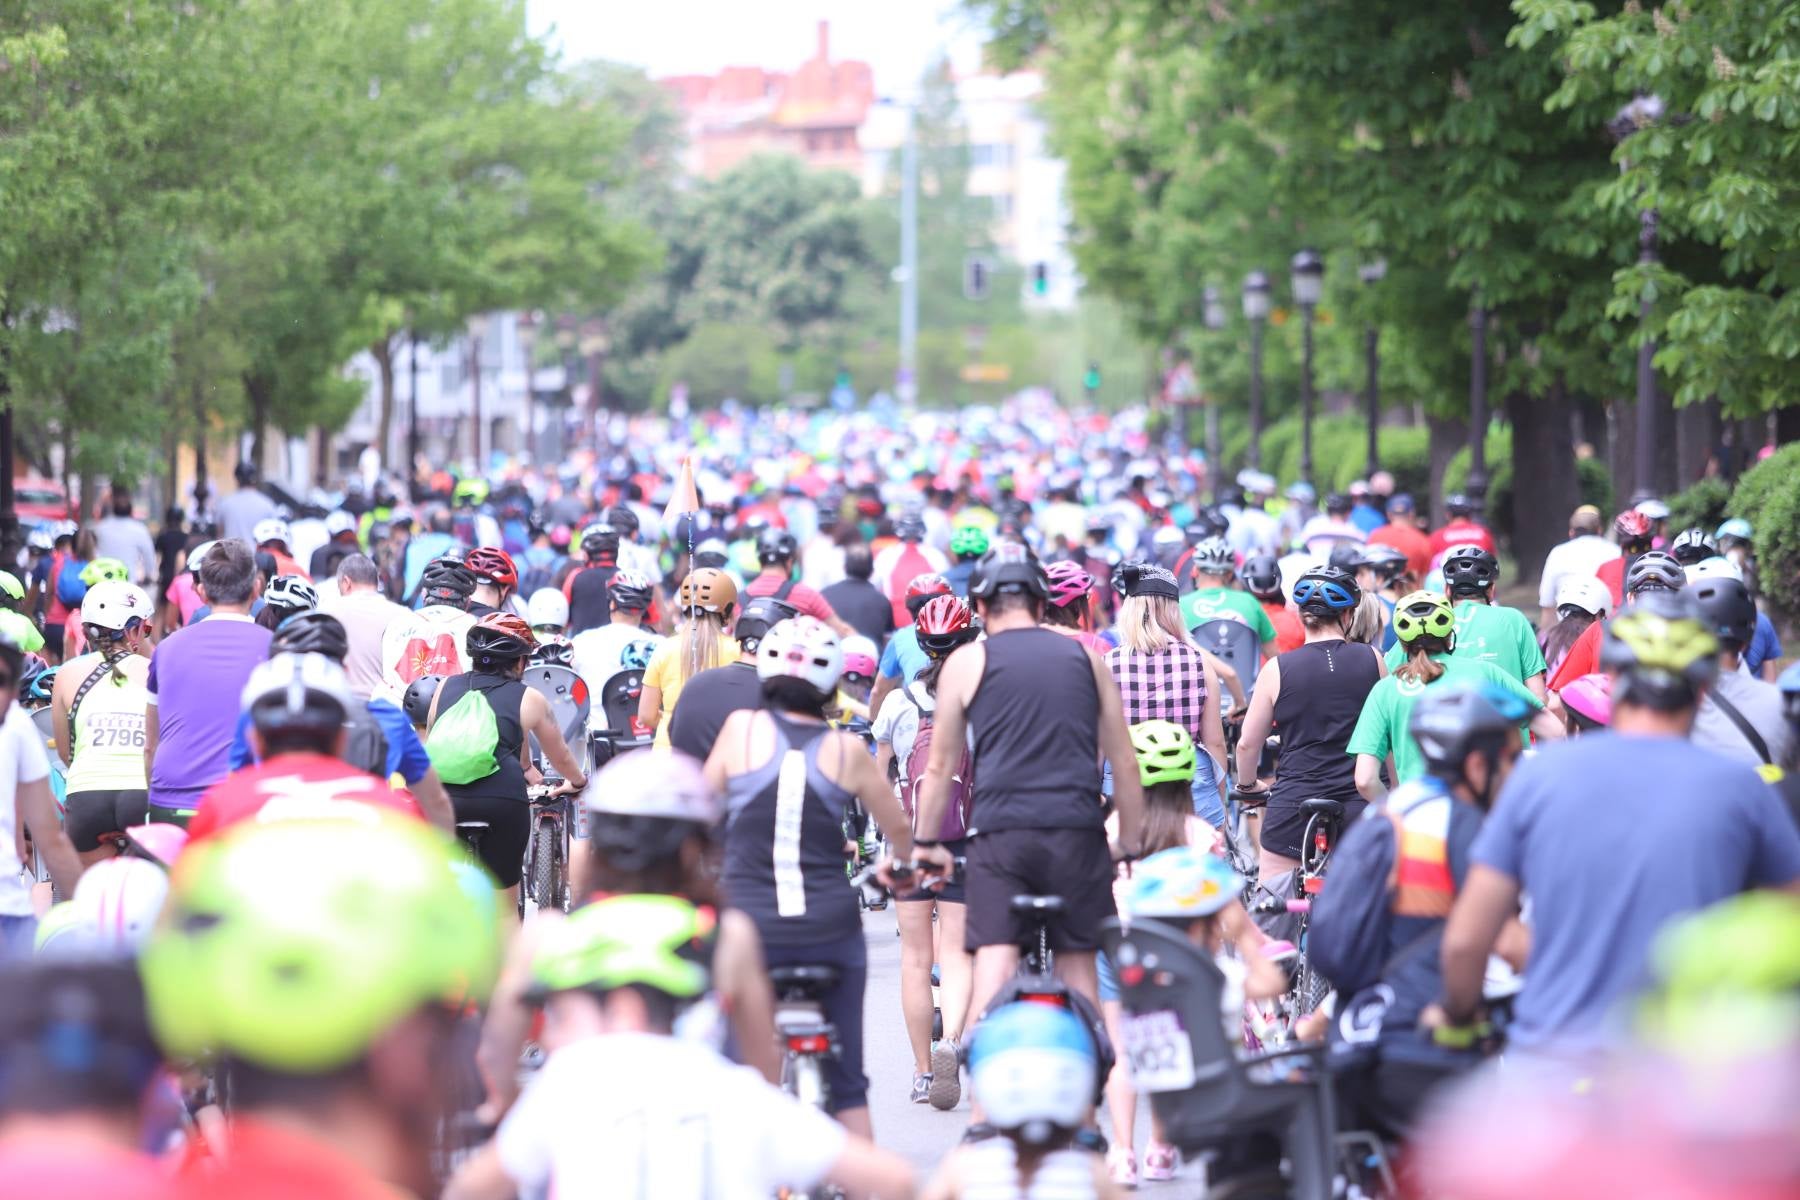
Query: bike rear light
{"x": 1131, "y": 976}
{"x": 1313, "y": 885}
{"x": 809, "y": 1043}
{"x": 1054, "y": 999}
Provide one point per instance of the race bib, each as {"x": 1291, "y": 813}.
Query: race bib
{"x": 1158, "y": 1049}
{"x": 116, "y": 731}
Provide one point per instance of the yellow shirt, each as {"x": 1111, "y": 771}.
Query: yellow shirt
{"x": 666, "y": 675}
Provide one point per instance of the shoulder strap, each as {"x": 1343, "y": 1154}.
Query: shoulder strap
{"x": 1744, "y": 727}
{"x": 785, "y": 590}
{"x": 87, "y": 685}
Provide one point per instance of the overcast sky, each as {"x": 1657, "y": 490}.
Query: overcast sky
{"x": 678, "y": 37}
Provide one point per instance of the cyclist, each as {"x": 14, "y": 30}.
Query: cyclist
{"x": 1261, "y": 577}
{"x": 1736, "y": 538}
{"x": 713, "y": 695}
{"x": 1070, "y": 611}
{"x": 634, "y": 555}
{"x": 272, "y": 537}
{"x": 789, "y": 779}
{"x": 1033, "y": 1068}
{"x": 707, "y": 599}
{"x": 1462, "y": 529}
{"x": 1652, "y": 573}
{"x": 547, "y": 612}
{"x": 1162, "y": 675}
{"x": 341, "y": 543}
{"x": 967, "y": 544}
{"x": 1384, "y": 573}
{"x": 1632, "y": 530}
{"x": 1368, "y": 932}
{"x": 901, "y": 658}
{"x": 285, "y": 596}
{"x": 614, "y": 979}
{"x": 905, "y": 560}
{"x": 586, "y": 586}
{"x": 858, "y": 601}
{"x": 433, "y": 641}
{"x": 1314, "y": 696}
{"x": 942, "y": 625}
{"x": 861, "y": 662}
{"x": 487, "y": 778}
{"x": 496, "y": 580}
{"x": 1214, "y": 597}
{"x": 1040, "y": 713}
{"x": 1740, "y": 716}
{"x": 600, "y": 652}
{"x": 98, "y": 723}
{"x": 1577, "y": 558}
{"x": 775, "y": 551}
{"x": 322, "y": 964}
{"x": 1692, "y": 546}
{"x": 1759, "y": 657}
{"x": 1580, "y": 601}
{"x": 379, "y": 737}
{"x": 1490, "y": 632}
{"x": 1426, "y": 625}
{"x": 1591, "y": 929}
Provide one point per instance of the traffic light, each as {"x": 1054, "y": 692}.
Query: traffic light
{"x": 1040, "y": 279}
{"x": 976, "y": 273}
{"x": 1091, "y": 381}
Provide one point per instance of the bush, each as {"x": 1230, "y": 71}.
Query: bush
{"x": 1340, "y": 452}
{"x": 1768, "y": 496}
{"x": 1703, "y": 505}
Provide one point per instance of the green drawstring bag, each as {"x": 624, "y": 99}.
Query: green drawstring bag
{"x": 461, "y": 744}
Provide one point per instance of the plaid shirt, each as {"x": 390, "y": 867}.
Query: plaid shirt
{"x": 1169, "y": 685}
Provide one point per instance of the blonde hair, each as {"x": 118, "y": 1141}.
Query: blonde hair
{"x": 1151, "y": 624}
{"x": 697, "y": 643}
{"x": 1369, "y": 621}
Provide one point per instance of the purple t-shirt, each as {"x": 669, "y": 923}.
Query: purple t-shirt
{"x": 196, "y": 677}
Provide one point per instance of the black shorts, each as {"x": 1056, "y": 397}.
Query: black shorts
{"x": 1072, "y": 863}
{"x": 89, "y": 816}
{"x": 1284, "y": 825}
{"x": 953, "y": 892}
{"x": 509, "y": 829}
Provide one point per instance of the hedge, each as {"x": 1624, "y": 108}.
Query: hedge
{"x": 1340, "y": 451}
{"x": 1702, "y": 506}
{"x": 1768, "y": 496}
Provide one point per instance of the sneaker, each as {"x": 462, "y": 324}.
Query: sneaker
{"x": 946, "y": 1074}
{"x": 1121, "y": 1166}
{"x": 921, "y": 1087}
{"x": 1160, "y": 1162}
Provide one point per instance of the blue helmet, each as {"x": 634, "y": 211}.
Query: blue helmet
{"x": 1327, "y": 591}
{"x": 1034, "y": 1069}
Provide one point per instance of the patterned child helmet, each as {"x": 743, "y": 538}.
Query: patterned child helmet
{"x": 1033, "y": 1068}
{"x": 1181, "y": 882}
{"x": 802, "y": 648}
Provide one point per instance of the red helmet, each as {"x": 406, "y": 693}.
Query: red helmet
{"x": 1068, "y": 582}
{"x": 944, "y": 623}
{"x": 1631, "y": 526}
{"x": 924, "y": 587}
{"x": 495, "y": 566}
{"x": 500, "y": 635}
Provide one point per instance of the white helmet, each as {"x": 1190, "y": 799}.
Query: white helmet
{"x": 298, "y": 691}
{"x": 113, "y": 604}
{"x": 291, "y": 591}
{"x": 654, "y": 783}
{"x": 273, "y": 529}
{"x": 197, "y": 554}
{"x": 1716, "y": 567}
{"x": 118, "y": 901}
{"x": 338, "y": 521}
{"x": 1586, "y": 593}
{"x": 547, "y": 607}
{"x": 801, "y": 648}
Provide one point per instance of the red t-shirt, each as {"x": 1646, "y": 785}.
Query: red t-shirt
{"x": 264, "y": 1162}
{"x": 1612, "y": 574}
{"x": 804, "y": 598}
{"x": 291, "y": 786}
{"x": 1407, "y": 539}
{"x": 1289, "y": 633}
{"x": 1583, "y": 658}
{"x": 1461, "y": 533}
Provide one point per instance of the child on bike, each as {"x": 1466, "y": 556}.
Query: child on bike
{"x": 1032, "y": 1067}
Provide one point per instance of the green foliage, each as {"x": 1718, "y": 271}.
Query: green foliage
{"x": 1702, "y": 505}
{"x": 1591, "y": 475}
{"x": 1340, "y": 451}
{"x": 1768, "y": 496}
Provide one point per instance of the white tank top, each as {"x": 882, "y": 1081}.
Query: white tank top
{"x": 990, "y": 1171}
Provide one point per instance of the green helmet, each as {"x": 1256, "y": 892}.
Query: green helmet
{"x": 1421, "y": 614}
{"x": 1729, "y": 979}
{"x": 660, "y": 942}
{"x": 21, "y": 631}
{"x": 10, "y": 586}
{"x": 1165, "y": 752}
{"x": 102, "y": 569}
{"x": 294, "y": 944}
{"x": 968, "y": 541}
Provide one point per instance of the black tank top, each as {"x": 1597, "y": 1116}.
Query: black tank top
{"x": 1323, "y": 686}
{"x": 589, "y": 605}
{"x": 784, "y": 845}
{"x": 1036, "y": 724}
{"x": 505, "y": 696}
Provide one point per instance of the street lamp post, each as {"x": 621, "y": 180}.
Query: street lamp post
{"x": 1478, "y": 405}
{"x": 1371, "y": 274}
{"x": 1307, "y": 277}
{"x": 1213, "y": 317}
{"x": 1256, "y": 311}
{"x": 412, "y": 421}
{"x": 478, "y": 327}
{"x": 1641, "y": 113}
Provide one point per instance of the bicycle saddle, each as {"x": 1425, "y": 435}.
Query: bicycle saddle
{"x": 1321, "y": 807}
{"x": 819, "y": 977}
{"x": 1037, "y": 904}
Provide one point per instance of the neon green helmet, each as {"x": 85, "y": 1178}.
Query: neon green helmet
{"x": 10, "y": 586}
{"x": 661, "y": 942}
{"x": 1165, "y": 752}
{"x": 1730, "y": 979}
{"x": 21, "y": 631}
{"x": 294, "y": 944}
{"x": 102, "y": 569}
{"x": 968, "y": 541}
{"x": 471, "y": 491}
{"x": 1424, "y": 614}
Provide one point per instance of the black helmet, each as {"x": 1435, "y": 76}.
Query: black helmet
{"x": 1654, "y": 570}
{"x": 775, "y": 546}
{"x": 600, "y": 538}
{"x": 757, "y": 615}
{"x": 1261, "y": 576}
{"x": 554, "y": 652}
{"x": 1470, "y": 570}
{"x": 416, "y": 704}
{"x": 1726, "y": 607}
{"x": 622, "y": 519}
{"x": 447, "y": 581}
{"x": 629, "y": 590}
{"x": 1385, "y": 561}
{"x": 910, "y": 527}
{"x": 311, "y": 632}
{"x": 1458, "y": 505}
{"x": 1338, "y": 502}
{"x": 1009, "y": 567}
{"x": 1450, "y": 722}
{"x": 1345, "y": 555}
{"x": 1206, "y": 523}
{"x": 499, "y": 637}
{"x": 1327, "y": 591}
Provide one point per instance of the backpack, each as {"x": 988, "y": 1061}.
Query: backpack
{"x": 366, "y": 748}
{"x": 462, "y": 743}
{"x": 962, "y": 782}
{"x": 70, "y": 590}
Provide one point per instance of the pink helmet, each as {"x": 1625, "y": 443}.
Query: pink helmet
{"x": 1068, "y": 583}
{"x": 1590, "y": 697}
{"x": 860, "y": 657}
{"x": 159, "y": 841}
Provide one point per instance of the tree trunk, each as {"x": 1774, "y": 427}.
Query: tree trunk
{"x": 1447, "y": 436}
{"x": 1623, "y": 460}
{"x": 257, "y": 387}
{"x": 1696, "y": 432}
{"x": 383, "y": 353}
{"x": 1666, "y": 474}
{"x": 1787, "y": 429}
{"x": 1545, "y": 486}
{"x": 171, "y": 455}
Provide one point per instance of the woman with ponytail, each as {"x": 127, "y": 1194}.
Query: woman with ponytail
{"x": 98, "y": 708}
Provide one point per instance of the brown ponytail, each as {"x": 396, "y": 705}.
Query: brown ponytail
{"x": 1420, "y": 667}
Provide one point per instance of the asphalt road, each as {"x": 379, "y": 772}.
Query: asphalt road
{"x": 917, "y": 1132}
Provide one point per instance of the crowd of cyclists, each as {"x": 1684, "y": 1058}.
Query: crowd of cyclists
{"x": 269, "y": 793}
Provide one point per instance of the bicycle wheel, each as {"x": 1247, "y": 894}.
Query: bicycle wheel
{"x": 543, "y": 884}
{"x": 806, "y": 1081}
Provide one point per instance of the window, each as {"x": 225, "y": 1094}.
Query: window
{"x": 991, "y": 154}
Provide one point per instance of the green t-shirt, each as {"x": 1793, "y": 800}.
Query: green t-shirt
{"x": 1209, "y": 604}
{"x": 1493, "y": 634}
{"x": 1381, "y": 729}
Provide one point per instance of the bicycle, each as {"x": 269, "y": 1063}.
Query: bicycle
{"x": 547, "y": 851}
{"x": 807, "y": 1040}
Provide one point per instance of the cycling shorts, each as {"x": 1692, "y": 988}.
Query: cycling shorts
{"x": 953, "y": 892}
{"x": 93, "y": 814}
{"x": 502, "y": 848}
{"x": 1072, "y": 863}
